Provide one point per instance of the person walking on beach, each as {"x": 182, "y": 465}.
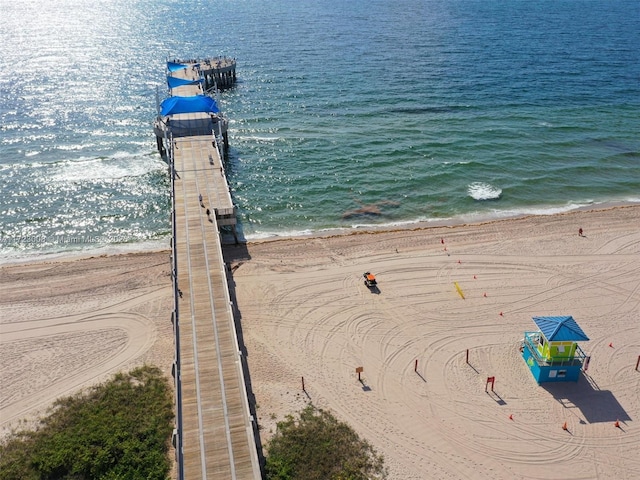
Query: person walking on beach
{"x": 200, "y": 199}
{"x": 580, "y": 232}
{"x": 208, "y": 212}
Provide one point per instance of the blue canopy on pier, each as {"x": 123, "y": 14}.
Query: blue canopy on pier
{"x": 174, "y": 67}
{"x": 174, "y": 82}
{"x": 560, "y": 329}
{"x": 193, "y": 104}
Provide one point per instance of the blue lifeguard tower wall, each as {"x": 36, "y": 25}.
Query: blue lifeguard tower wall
{"x": 557, "y": 370}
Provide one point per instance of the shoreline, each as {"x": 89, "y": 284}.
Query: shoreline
{"x": 73, "y": 255}
{"x": 444, "y": 224}
{"x": 156, "y": 245}
{"x": 462, "y": 219}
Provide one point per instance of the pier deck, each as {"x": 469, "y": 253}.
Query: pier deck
{"x": 215, "y": 426}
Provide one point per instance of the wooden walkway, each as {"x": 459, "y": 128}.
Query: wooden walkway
{"x": 215, "y": 429}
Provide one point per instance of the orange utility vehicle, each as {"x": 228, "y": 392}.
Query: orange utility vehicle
{"x": 370, "y": 279}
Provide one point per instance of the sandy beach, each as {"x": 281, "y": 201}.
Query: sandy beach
{"x": 305, "y": 312}
{"x": 66, "y": 325}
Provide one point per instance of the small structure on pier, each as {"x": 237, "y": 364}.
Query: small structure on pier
{"x": 219, "y": 72}
{"x": 551, "y": 353}
{"x": 216, "y": 73}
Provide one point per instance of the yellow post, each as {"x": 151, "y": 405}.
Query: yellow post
{"x": 459, "y": 289}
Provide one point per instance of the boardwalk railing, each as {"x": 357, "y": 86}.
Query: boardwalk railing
{"x": 177, "y": 433}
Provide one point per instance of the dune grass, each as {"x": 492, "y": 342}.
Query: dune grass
{"x": 316, "y": 446}
{"x": 117, "y": 430}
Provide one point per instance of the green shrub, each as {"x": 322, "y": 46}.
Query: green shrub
{"x": 118, "y": 430}
{"x": 316, "y": 446}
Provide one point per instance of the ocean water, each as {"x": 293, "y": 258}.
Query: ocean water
{"x": 346, "y": 114}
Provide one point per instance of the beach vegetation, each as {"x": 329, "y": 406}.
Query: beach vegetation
{"x": 117, "y": 430}
{"x": 314, "y": 445}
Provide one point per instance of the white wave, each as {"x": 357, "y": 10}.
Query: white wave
{"x": 283, "y": 234}
{"x": 257, "y": 138}
{"x": 483, "y": 191}
{"x": 72, "y": 251}
{"x": 118, "y": 165}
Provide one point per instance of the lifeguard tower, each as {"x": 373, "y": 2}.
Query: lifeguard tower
{"x": 552, "y": 353}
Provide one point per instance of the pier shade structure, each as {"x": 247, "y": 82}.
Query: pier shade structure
{"x": 216, "y": 433}
{"x": 552, "y": 353}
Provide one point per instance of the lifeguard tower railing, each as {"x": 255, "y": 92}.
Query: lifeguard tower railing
{"x": 532, "y": 340}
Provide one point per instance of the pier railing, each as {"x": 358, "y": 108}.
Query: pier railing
{"x": 177, "y": 432}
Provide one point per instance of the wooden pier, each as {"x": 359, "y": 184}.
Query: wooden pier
{"x": 215, "y": 436}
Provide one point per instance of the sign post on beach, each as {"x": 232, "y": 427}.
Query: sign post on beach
{"x": 359, "y": 370}
{"x": 490, "y": 380}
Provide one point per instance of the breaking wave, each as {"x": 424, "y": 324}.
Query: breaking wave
{"x": 484, "y": 191}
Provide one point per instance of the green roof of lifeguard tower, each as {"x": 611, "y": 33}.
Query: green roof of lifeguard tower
{"x": 560, "y": 329}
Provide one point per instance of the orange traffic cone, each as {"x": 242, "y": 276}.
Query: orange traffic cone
{"x": 474, "y": 277}
{"x": 611, "y": 344}
{"x": 564, "y": 426}
{"x": 484, "y": 294}
{"x": 501, "y": 314}
{"x": 511, "y": 417}
{"x": 617, "y": 424}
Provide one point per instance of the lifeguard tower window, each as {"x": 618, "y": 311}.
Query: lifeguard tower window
{"x": 562, "y": 373}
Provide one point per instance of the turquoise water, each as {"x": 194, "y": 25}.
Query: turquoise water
{"x": 417, "y": 110}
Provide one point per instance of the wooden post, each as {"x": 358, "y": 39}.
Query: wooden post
{"x": 415, "y": 369}
{"x": 467, "y": 356}
{"x": 585, "y": 366}
{"x": 303, "y": 385}
{"x": 638, "y": 363}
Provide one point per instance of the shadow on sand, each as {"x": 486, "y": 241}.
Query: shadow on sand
{"x": 234, "y": 256}
{"x": 584, "y": 395}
